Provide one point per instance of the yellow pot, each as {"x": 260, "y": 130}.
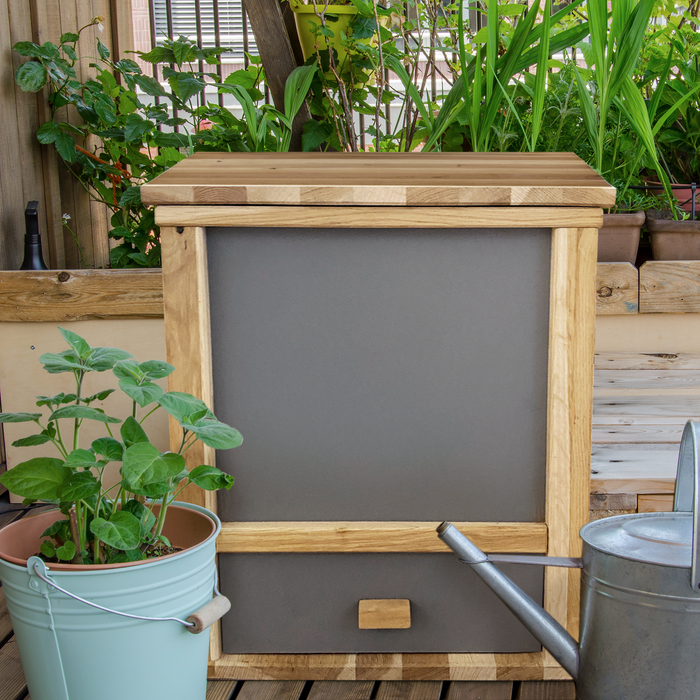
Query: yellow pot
{"x": 304, "y": 17}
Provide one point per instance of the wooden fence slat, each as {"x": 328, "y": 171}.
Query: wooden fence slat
{"x": 271, "y": 690}
{"x": 341, "y": 690}
{"x": 480, "y": 690}
{"x": 409, "y": 690}
{"x": 11, "y": 193}
{"x": 636, "y": 434}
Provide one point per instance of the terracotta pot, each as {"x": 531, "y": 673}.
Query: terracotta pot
{"x": 618, "y": 239}
{"x": 184, "y": 528}
{"x": 674, "y": 240}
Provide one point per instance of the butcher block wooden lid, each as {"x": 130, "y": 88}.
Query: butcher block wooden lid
{"x": 381, "y": 179}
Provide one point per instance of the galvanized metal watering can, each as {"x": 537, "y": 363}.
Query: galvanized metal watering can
{"x": 640, "y": 597}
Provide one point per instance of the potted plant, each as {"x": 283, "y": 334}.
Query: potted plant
{"x": 80, "y": 579}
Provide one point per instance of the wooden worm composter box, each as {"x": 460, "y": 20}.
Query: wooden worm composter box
{"x": 401, "y": 339}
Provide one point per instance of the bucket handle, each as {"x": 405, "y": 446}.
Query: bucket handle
{"x": 197, "y": 622}
{"x": 687, "y": 497}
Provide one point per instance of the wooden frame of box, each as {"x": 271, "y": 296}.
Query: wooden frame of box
{"x": 227, "y": 189}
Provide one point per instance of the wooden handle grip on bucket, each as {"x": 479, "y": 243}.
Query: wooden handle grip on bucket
{"x": 209, "y": 613}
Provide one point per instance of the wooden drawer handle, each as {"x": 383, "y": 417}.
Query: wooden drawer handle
{"x": 384, "y": 614}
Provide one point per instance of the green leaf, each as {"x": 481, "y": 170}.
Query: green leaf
{"x": 143, "y": 464}
{"x": 132, "y": 433}
{"x": 128, "y": 369}
{"x": 126, "y": 556}
{"x": 143, "y": 394}
{"x": 31, "y": 76}
{"x": 121, "y": 531}
{"x": 37, "y": 479}
{"x": 363, "y": 27}
{"x": 83, "y": 412}
{"x": 186, "y": 85}
{"x": 296, "y": 88}
{"x": 48, "y": 132}
{"x": 78, "y": 344}
{"x": 55, "y": 363}
{"x": 66, "y": 551}
{"x": 58, "y": 530}
{"x": 180, "y": 405}
{"x": 314, "y": 133}
{"x": 48, "y": 549}
{"x": 159, "y": 54}
{"x": 105, "y": 108}
{"x": 78, "y": 486}
{"x": 28, "y": 48}
{"x": 65, "y": 146}
{"x": 103, "y": 359}
{"x": 80, "y": 459}
{"x": 102, "y": 50}
{"x": 31, "y": 441}
{"x": 136, "y": 127}
{"x": 99, "y": 396}
{"x": 156, "y": 369}
{"x": 112, "y": 449}
{"x": 69, "y": 37}
{"x": 131, "y": 196}
{"x": 170, "y": 139}
{"x": 150, "y": 85}
{"x": 210, "y": 478}
{"x": 215, "y": 434}
{"x": 145, "y": 517}
{"x": 19, "y": 417}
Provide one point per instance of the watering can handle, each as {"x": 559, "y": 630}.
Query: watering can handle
{"x": 687, "y": 497}
{"x": 197, "y": 622}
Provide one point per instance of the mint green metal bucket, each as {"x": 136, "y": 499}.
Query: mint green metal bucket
{"x": 71, "y": 651}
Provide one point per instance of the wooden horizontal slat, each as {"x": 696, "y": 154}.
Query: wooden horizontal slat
{"x": 633, "y": 485}
{"x": 77, "y": 295}
{"x": 370, "y": 179}
{"x": 375, "y": 537}
{"x": 655, "y": 503}
{"x": 617, "y": 289}
{"x": 350, "y": 667}
{"x": 654, "y": 406}
{"x": 12, "y": 683}
{"x": 646, "y": 361}
{"x": 669, "y": 287}
{"x": 378, "y": 217}
{"x": 638, "y": 434}
{"x": 613, "y": 501}
{"x": 648, "y": 379}
{"x": 642, "y": 461}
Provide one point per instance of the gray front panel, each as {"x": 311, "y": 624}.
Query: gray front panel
{"x": 382, "y": 374}
{"x": 307, "y": 603}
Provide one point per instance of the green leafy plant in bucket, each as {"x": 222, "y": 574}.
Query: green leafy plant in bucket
{"x": 123, "y": 522}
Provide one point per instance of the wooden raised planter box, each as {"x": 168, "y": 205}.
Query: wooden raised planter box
{"x": 354, "y": 315}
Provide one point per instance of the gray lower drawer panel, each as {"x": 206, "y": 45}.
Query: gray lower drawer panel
{"x": 308, "y": 603}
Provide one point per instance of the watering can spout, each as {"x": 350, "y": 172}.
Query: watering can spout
{"x": 560, "y": 644}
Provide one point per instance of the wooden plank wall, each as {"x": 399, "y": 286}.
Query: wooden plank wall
{"x": 31, "y": 171}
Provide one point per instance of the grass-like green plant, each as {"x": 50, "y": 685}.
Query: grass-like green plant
{"x": 119, "y": 523}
